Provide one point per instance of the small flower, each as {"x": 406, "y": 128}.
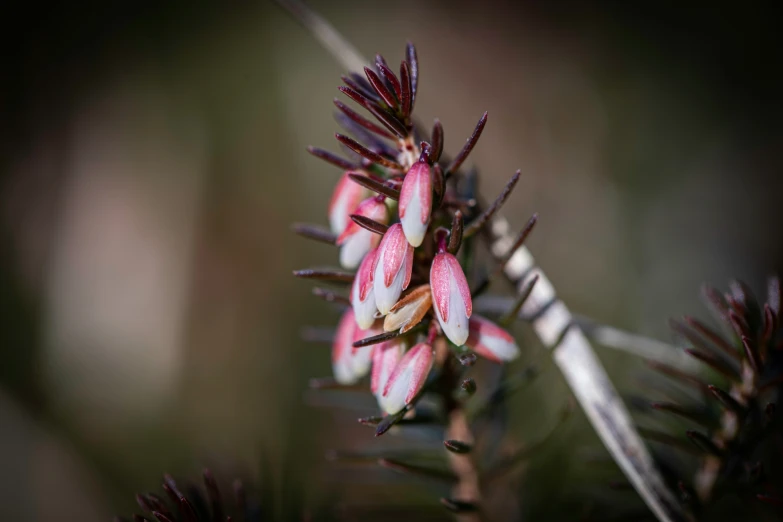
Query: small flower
{"x": 362, "y": 357}
{"x": 451, "y": 295}
{"x": 362, "y": 293}
{"x": 345, "y": 199}
{"x": 409, "y": 311}
{"x": 349, "y": 364}
{"x": 491, "y": 341}
{"x": 356, "y": 241}
{"x": 385, "y": 357}
{"x": 416, "y": 202}
{"x": 392, "y": 269}
{"x": 407, "y": 379}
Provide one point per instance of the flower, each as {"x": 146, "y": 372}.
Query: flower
{"x": 349, "y": 364}
{"x": 362, "y": 293}
{"x": 407, "y": 379}
{"x": 392, "y": 268}
{"x": 409, "y": 311}
{"x": 416, "y": 202}
{"x": 451, "y": 295}
{"x": 491, "y": 341}
{"x": 385, "y": 357}
{"x": 356, "y": 241}
{"x": 345, "y": 199}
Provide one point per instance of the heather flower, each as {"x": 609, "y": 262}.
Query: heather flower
{"x": 345, "y": 199}
{"x": 397, "y": 165}
{"x": 392, "y": 251}
{"x": 392, "y": 268}
{"x": 385, "y": 357}
{"x": 349, "y": 364}
{"x": 451, "y": 295}
{"x": 407, "y": 379}
{"x": 491, "y": 341}
{"x": 356, "y": 241}
{"x": 363, "y": 293}
{"x": 416, "y": 202}
{"x": 408, "y": 248}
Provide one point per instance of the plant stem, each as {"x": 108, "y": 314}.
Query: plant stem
{"x": 467, "y": 488}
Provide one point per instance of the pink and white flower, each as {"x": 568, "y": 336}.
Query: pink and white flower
{"x": 356, "y": 241}
{"x": 385, "y": 357}
{"x": 491, "y": 341}
{"x": 349, "y": 364}
{"x": 362, "y": 292}
{"x": 416, "y": 202}
{"x": 392, "y": 268}
{"x": 451, "y": 297}
{"x": 407, "y": 379}
{"x": 345, "y": 199}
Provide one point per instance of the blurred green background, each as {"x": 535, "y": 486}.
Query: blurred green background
{"x": 152, "y": 158}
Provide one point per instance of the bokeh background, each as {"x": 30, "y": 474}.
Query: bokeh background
{"x": 152, "y": 159}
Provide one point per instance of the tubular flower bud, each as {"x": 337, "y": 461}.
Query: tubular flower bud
{"x": 392, "y": 269}
{"x": 409, "y": 311}
{"x": 385, "y": 357}
{"x": 491, "y": 341}
{"x": 356, "y": 241}
{"x": 407, "y": 379}
{"x": 345, "y": 199}
{"x": 362, "y": 293}
{"x": 416, "y": 202}
{"x": 451, "y": 297}
{"x": 362, "y": 357}
{"x": 349, "y": 365}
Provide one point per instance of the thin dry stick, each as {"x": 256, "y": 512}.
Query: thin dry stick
{"x": 340, "y": 49}
{"x": 608, "y": 336}
{"x": 584, "y": 373}
{"x": 644, "y": 347}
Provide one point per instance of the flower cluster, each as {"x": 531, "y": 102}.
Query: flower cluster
{"x": 399, "y": 221}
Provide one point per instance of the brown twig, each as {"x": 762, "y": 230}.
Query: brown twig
{"x": 467, "y": 487}
{"x": 466, "y": 492}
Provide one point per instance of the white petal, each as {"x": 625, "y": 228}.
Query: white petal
{"x": 361, "y": 361}
{"x": 364, "y": 311}
{"x": 392, "y": 354}
{"x": 355, "y": 248}
{"x": 343, "y": 371}
{"x": 503, "y": 350}
{"x": 339, "y": 217}
{"x": 411, "y": 224}
{"x": 456, "y": 328}
{"x": 394, "y": 401}
{"x": 386, "y": 297}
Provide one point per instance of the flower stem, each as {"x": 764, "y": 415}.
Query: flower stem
{"x": 467, "y": 488}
